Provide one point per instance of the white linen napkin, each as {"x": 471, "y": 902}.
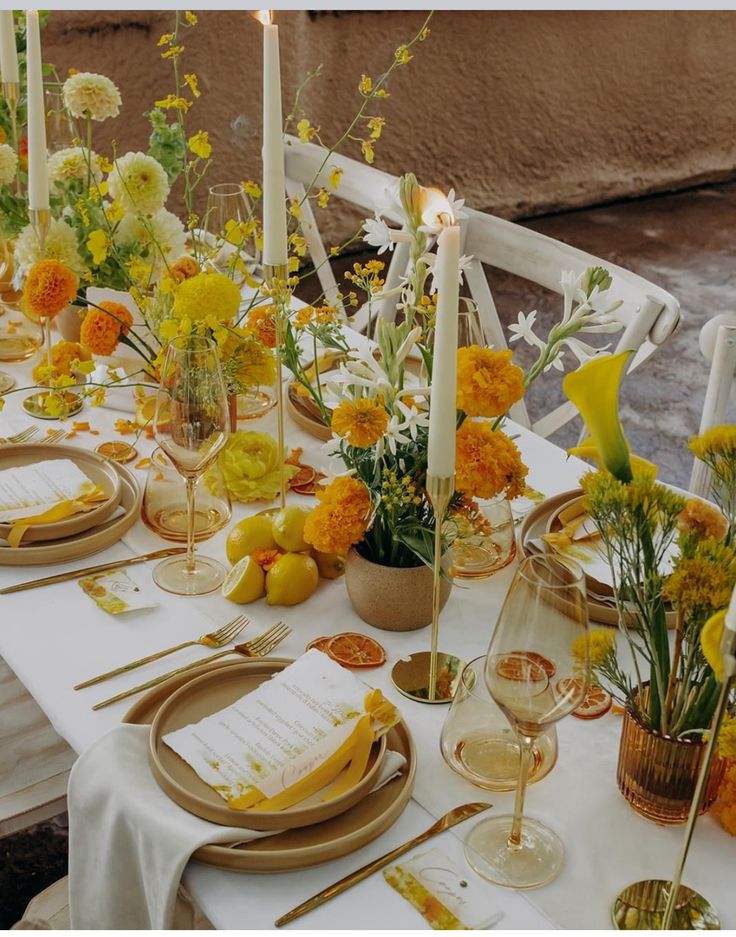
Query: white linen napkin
{"x": 129, "y": 843}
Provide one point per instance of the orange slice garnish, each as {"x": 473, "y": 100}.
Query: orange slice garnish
{"x": 524, "y": 665}
{"x": 352, "y": 649}
{"x": 303, "y": 477}
{"x": 596, "y": 702}
{"x": 319, "y": 644}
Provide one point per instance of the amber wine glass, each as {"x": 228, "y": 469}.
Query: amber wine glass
{"x": 537, "y": 669}
{"x": 190, "y": 423}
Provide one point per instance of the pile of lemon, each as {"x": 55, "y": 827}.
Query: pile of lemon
{"x": 294, "y": 575}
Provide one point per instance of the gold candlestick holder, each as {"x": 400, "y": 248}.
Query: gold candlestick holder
{"x": 276, "y": 276}
{"x": 659, "y": 904}
{"x": 432, "y": 676}
{"x": 11, "y": 92}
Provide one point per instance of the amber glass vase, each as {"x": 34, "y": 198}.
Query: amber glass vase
{"x": 657, "y": 773}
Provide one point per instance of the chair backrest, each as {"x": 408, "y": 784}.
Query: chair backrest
{"x": 649, "y": 314}
{"x": 718, "y": 345}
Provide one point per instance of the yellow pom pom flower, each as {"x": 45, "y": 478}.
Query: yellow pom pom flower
{"x": 207, "y": 294}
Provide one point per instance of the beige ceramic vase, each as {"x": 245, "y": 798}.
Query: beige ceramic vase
{"x": 392, "y": 598}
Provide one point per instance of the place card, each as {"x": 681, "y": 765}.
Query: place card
{"x": 115, "y": 592}
{"x": 445, "y": 896}
{"x": 275, "y": 736}
{"x": 30, "y": 490}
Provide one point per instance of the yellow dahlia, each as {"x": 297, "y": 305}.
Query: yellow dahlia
{"x": 87, "y": 94}
{"x": 361, "y": 422}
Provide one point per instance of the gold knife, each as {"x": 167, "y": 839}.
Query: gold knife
{"x": 90, "y": 570}
{"x": 455, "y": 816}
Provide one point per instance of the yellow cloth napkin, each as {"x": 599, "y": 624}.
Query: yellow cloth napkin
{"x": 57, "y": 512}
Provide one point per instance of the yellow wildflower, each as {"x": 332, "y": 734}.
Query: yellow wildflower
{"x": 306, "y": 131}
{"x": 115, "y": 211}
{"x": 165, "y": 39}
{"x": 402, "y": 55}
{"x": 601, "y": 641}
{"x": 173, "y": 53}
{"x": 172, "y": 101}
{"x": 293, "y": 264}
{"x": 335, "y": 176}
{"x": 252, "y": 189}
{"x": 366, "y": 84}
{"x": 98, "y": 244}
{"x": 200, "y": 144}
{"x": 361, "y": 422}
{"x": 366, "y": 147}
{"x": 106, "y": 166}
{"x": 295, "y": 208}
{"x": 97, "y": 398}
{"x": 299, "y": 244}
{"x": 704, "y": 581}
{"x": 192, "y": 19}
{"x": 424, "y": 33}
{"x": 191, "y": 79}
{"x": 376, "y": 125}
{"x": 323, "y": 198}
{"x": 72, "y": 71}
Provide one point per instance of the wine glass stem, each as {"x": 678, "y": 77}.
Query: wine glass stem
{"x": 191, "y": 485}
{"x": 525, "y": 752}
{"x": 47, "y": 335}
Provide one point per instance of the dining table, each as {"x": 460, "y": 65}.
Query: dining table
{"x": 55, "y": 637}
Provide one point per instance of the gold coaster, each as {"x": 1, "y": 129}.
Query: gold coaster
{"x": 410, "y": 676}
{"x": 34, "y": 405}
{"x": 641, "y": 907}
{"x": 7, "y": 382}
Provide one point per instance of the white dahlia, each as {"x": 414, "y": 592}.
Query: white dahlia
{"x": 139, "y": 181}
{"x": 61, "y": 244}
{"x": 162, "y": 237}
{"x": 87, "y": 94}
{"x": 71, "y": 163}
{"x": 8, "y": 164}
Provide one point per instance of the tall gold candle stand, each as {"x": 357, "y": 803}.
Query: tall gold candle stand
{"x": 416, "y": 676}
{"x": 276, "y": 277}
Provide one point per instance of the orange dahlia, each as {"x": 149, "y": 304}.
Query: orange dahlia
{"x": 63, "y": 353}
{"x": 487, "y": 382}
{"x": 341, "y": 518}
{"x": 184, "y": 268}
{"x": 487, "y": 462}
{"x": 103, "y": 326}
{"x": 361, "y": 422}
{"x": 262, "y": 324}
{"x": 49, "y": 287}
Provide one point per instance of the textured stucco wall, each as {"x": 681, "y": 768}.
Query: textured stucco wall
{"x": 521, "y": 112}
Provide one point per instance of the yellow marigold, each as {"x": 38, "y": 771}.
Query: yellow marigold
{"x": 702, "y": 520}
{"x": 341, "y": 518}
{"x": 63, "y": 353}
{"x": 314, "y": 315}
{"x": 601, "y": 642}
{"x": 487, "y": 382}
{"x": 261, "y": 323}
{"x": 704, "y": 581}
{"x": 487, "y": 462}
{"x": 361, "y": 422}
{"x": 184, "y": 268}
{"x": 207, "y": 294}
{"x": 49, "y": 287}
{"x": 102, "y": 328}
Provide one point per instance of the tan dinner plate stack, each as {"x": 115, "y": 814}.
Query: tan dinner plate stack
{"x": 313, "y": 832}
{"x": 82, "y": 534}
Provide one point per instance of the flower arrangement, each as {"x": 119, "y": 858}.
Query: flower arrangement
{"x": 660, "y": 547}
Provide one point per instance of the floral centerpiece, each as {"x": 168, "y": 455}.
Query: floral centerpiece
{"x": 662, "y": 547}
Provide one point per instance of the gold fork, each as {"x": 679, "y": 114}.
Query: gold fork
{"x": 213, "y": 639}
{"x": 53, "y": 438}
{"x": 258, "y": 647}
{"x": 23, "y": 436}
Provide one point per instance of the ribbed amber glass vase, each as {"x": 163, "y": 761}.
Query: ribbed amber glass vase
{"x": 657, "y": 773}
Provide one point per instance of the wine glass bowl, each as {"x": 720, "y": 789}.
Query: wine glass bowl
{"x": 227, "y": 241}
{"x": 537, "y": 671}
{"x": 190, "y": 424}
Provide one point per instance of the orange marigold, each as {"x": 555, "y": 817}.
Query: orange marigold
{"x": 361, "y": 422}
{"x": 341, "y": 518}
{"x": 49, "y": 287}
{"x": 487, "y": 462}
{"x": 184, "y": 268}
{"x": 725, "y": 806}
{"x": 487, "y": 382}
{"x": 103, "y": 326}
{"x": 261, "y": 323}
{"x": 62, "y": 355}
{"x": 702, "y": 520}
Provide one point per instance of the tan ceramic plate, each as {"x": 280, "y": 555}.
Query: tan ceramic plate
{"x": 98, "y": 470}
{"x": 208, "y": 694}
{"x": 84, "y": 544}
{"x": 306, "y": 415}
{"x": 310, "y": 845}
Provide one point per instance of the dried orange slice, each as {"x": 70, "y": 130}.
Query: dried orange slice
{"x": 304, "y": 476}
{"x": 596, "y": 703}
{"x": 117, "y": 451}
{"x": 319, "y": 644}
{"x": 352, "y": 649}
{"x": 524, "y": 665}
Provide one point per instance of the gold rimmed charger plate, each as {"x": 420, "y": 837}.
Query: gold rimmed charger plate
{"x": 84, "y": 544}
{"x": 208, "y": 694}
{"x": 97, "y": 469}
{"x": 309, "y": 845}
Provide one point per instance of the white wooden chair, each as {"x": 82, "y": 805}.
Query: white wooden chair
{"x": 649, "y": 314}
{"x": 718, "y": 345}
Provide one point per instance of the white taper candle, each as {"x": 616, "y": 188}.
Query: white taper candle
{"x": 38, "y": 178}
{"x": 442, "y": 406}
{"x": 274, "y": 195}
{"x": 8, "y": 51}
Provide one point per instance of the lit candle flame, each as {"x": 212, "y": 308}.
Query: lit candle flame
{"x": 265, "y": 17}
{"x": 435, "y": 207}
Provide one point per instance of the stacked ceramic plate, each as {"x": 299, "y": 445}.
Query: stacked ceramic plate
{"x": 551, "y": 517}
{"x": 81, "y": 534}
{"x": 306, "y": 834}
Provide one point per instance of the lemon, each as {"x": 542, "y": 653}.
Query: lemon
{"x": 710, "y": 641}
{"x": 253, "y": 533}
{"x": 330, "y": 565}
{"x": 292, "y": 579}
{"x": 288, "y": 528}
{"x": 245, "y": 582}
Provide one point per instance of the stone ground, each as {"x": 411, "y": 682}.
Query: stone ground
{"x": 680, "y": 242}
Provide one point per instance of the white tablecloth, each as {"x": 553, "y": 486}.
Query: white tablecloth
{"x": 55, "y": 637}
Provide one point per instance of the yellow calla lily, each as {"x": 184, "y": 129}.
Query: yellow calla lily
{"x": 588, "y": 450}
{"x": 710, "y": 641}
{"x": 593, "y": 388}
